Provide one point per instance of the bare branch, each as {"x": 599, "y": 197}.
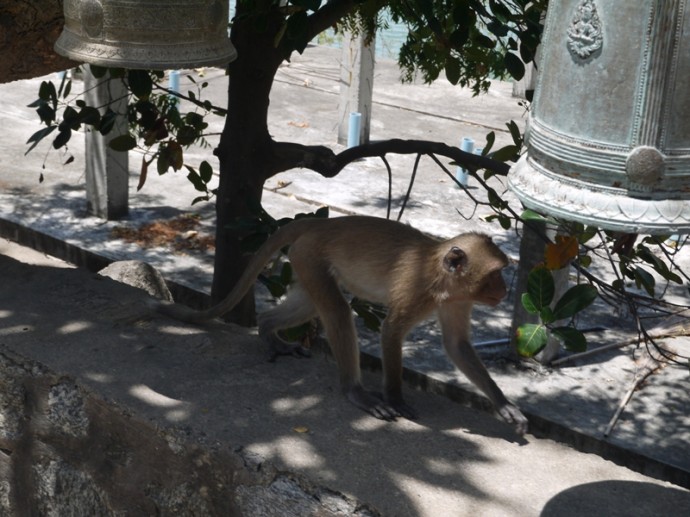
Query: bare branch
{"x": 327, "y": 163}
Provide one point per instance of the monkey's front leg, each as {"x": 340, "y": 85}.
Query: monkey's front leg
{"x": 466, "y": 359}
{"x": 455, "y": 325}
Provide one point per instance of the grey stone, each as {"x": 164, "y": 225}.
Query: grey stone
{"x": 140, "y": 275}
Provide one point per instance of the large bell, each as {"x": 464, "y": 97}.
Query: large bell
{"x": 608, "y": 140}
{"x": 148, "y": 34}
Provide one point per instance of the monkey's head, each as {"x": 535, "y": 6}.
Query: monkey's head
{"x": 476, "y": 265}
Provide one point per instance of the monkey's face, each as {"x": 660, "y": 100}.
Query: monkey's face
{"x": 492, "y": 289}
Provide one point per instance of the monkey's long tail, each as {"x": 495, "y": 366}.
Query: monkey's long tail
{"x": 284, "y": 236}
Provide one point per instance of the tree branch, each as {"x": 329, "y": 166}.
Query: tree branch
{"x": 329, "y": 15}
{"x": 321, "y": 159}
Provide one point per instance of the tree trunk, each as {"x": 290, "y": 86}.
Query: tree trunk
{"x": 244, "y": 153}
{"x": 28, "y": 30}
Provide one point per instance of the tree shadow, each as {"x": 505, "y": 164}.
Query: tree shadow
{"x": 214, "y": 386}
{"x": 617, "y": 498}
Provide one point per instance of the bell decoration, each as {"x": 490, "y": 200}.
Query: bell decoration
{"x": 146, "y": 34}
{"x": 608, "y": 138}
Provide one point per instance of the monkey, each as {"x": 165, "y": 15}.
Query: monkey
{"x": 386, "y": 262}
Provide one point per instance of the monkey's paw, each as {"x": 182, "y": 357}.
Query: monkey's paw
{"x": 372, "y": 403}
{"x": 513, "y": 415}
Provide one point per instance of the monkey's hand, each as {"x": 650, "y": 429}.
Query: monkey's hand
{"x": 513, "y": 415}
{"x": 374, "y": 404}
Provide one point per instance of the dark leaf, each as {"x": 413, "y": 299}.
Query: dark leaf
{"x": 574, "y": 300}
{"x": 196, "y": 180}
{"x": 205, "y": 171}
{"x": 62, "y": 138}
{"x": 123, "y": 143}
{"x": 572, "y": 339}
{"x": 199, "y": 199}
{"x": 46, "y": 113}
{"x": 546, "y": 315}
{"x": 98, "y": 71}
{"x": 89, "y": 115}
{"x": 645, "y": 280}
{"x": 514, "y": 65}
{"x": 140, "y": 83}
{"x": 107, "y": 122}
{"x": 540, "y": 287}
{"x": 452, "y": 70}
{"x": 143, "y": 174}
{"x": 186, "y": 135}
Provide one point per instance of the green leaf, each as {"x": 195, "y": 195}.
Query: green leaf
{"x": 531, "y": 339}
{"x": 505, "y": 221}
{"x": 574, "y": 300}
{"x": 531, "y": 215}
{"x": 508, "y": 153}
{"x": 372, "y": 314}
{"x": 540, "y": 287}
{"x": 528, "y": 304}
{"x": 546, "y": 315}
{"x": 572, "y": 339}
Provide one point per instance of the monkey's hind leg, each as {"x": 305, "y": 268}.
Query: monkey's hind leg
{"x": 336, "y": 316}
{"x": 297, "y": 308}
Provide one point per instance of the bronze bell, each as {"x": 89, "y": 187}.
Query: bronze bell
{"x": 146, "y": 34}
{"x": 608, "y": 140}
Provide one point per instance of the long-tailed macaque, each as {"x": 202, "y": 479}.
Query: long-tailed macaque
{"x": 384, "y": 262}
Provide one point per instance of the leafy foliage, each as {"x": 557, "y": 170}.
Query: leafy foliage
{"x": 470, "y": 40}
{"x": 532, "y": 338}
{"x": 155, "y": 124}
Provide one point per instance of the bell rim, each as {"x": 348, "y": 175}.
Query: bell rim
{"x": 136, "y": 57}
{"x": 576, "y": 202}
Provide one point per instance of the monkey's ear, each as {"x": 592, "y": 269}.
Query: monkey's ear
{"x": 455, "y": 259}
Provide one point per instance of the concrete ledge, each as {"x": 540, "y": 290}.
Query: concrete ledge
{"x": 539, "y": 424}
{"x": 66, "y": 451}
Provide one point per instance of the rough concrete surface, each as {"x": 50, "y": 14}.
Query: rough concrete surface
{"x": 214, "y": 387}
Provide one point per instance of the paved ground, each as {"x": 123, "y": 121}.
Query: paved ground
{"x": 462, "y": 453}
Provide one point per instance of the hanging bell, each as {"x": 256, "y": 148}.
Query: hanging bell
{"x": 608, "y": 139}
{"x": 146, "y": 34}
